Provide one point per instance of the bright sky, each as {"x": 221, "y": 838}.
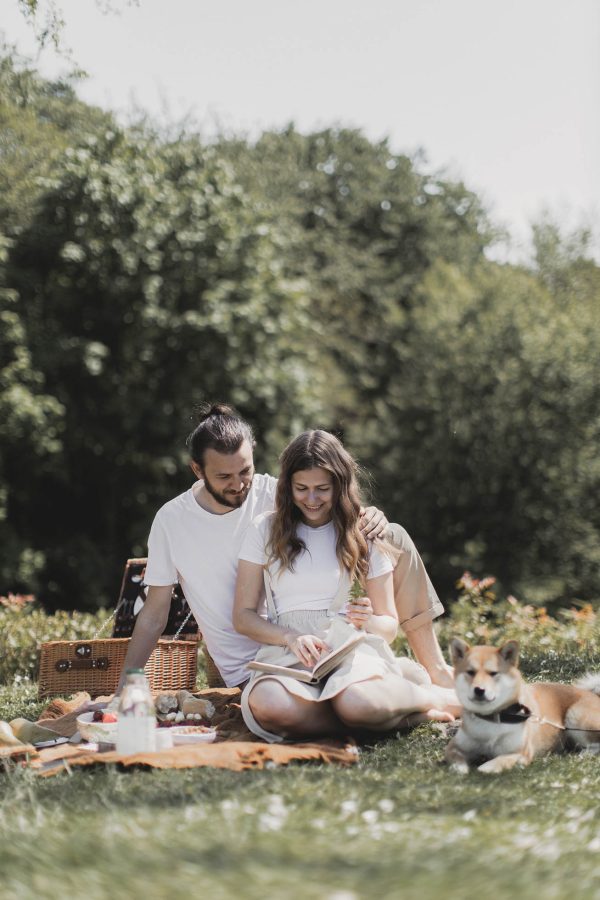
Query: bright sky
{"x": 504, "y": 94}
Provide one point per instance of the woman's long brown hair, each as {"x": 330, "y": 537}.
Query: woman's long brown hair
{"x": 319, "y": 450}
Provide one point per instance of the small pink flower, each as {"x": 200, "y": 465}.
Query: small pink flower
{"x": 16, "y": 601}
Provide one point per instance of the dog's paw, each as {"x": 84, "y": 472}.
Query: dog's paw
{"x": 491, "y": 767}
{"x": 502, "y": 763}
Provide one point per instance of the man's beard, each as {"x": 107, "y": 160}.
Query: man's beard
{"x": 233, "y": 501}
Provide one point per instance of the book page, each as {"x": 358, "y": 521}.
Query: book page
{"x": 321, "y": 668}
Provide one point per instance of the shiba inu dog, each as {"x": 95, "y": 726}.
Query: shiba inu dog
{"x": 507, "y": 722}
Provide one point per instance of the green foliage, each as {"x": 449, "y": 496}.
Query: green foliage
{"x": 30, "y": 422}
{"x": 367, "y": 224}
{"x": 24, "y": 409}
{"x": 38, "y": 120}
{"x": 24, "y": 627}
{"x": 311, "y": 280}
{"x": 487, "y": 432}
{"x": 158, "y": 284}
{"x": 481, "y": 616}
{"x": 49, "y": 29}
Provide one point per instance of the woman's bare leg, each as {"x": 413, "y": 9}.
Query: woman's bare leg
{"x": 280, "y": 712}
{"x": 381, "y": 704}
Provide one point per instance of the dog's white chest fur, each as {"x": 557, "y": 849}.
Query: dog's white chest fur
{"x": 487, "y": 738}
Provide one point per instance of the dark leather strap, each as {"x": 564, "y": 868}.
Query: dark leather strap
{"x": 67, "y": 665}
{"x": 511, "y": 715}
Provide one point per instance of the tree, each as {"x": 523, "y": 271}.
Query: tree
{"x": 367, "y": 225}
{"x": 30, "y": 433}
{"x": 147, "y": 281}
{"x": 46, "y": 19}
{"x": 486, "y": 439}
{"x": 39, "y": 119}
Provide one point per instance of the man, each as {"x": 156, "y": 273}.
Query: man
{"x": 196, "y": 537}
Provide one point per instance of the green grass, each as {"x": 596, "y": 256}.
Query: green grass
{"x": 398, "y": 825}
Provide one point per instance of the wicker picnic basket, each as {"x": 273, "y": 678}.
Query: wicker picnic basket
{"x": 180, "y": 620}
{"x": 95, "y": 666}
{"x": 213, "y": 676}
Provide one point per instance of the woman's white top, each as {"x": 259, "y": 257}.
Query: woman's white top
{"x": 314, "y": 581}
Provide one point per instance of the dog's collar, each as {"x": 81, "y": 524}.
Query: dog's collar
{"x": 511, "y": 715}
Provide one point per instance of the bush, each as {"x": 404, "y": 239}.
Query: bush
{"x": 548, "y": 643}
{"x": 481, "y": 617}
{"x": 24, "y": 626}
{"x": 556, "y": 648}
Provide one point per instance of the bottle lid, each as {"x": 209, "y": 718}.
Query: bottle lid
{"x": 134, "y": 671}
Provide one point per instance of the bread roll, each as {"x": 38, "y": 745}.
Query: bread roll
{"x": 190, "y": 705}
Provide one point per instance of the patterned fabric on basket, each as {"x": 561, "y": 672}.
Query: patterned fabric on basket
{"x": 132, "y": 597}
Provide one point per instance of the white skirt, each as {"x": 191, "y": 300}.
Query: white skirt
{"x": 371, "y": 658}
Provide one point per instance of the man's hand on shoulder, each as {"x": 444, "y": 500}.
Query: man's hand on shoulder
{"x": 373, "y": 523}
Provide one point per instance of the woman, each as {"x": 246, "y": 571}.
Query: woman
{"x": 308, "y": 552}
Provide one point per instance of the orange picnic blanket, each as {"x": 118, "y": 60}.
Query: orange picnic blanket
{"x": 235, "y": 747}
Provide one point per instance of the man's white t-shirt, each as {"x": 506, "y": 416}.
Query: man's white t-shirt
{"x": 200, "y": 550}
{"x": 313, "y": 583}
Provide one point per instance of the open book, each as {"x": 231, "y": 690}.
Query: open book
{"x": 323, "y": 667}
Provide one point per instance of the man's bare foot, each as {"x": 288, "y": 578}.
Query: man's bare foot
{"x": 445, "y": 699}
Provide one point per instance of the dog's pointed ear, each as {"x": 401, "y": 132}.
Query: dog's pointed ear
{"x": 510, "y": 652}
{"x": 458, "y": 650}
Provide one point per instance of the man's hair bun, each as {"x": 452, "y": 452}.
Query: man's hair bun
{"x": 219, "y": 428}
{"x": 206, "y": 410}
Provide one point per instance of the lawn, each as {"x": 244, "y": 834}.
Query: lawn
{"x": 398, "y": 824}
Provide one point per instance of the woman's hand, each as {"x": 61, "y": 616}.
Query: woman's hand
{"x": 307, "y": 647}
{"x": 359, "y": 611}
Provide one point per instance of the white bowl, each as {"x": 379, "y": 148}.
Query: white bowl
{"x": 191, "y": 734}
{"x": 96, "y": 732}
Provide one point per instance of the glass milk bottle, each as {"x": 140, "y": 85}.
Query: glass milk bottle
{"x": 136, "y": 727}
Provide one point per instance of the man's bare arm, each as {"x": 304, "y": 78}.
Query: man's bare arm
{"x": 150, "y": 624}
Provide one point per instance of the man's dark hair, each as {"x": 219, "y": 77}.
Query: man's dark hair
{"x": 219, "y": 428}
